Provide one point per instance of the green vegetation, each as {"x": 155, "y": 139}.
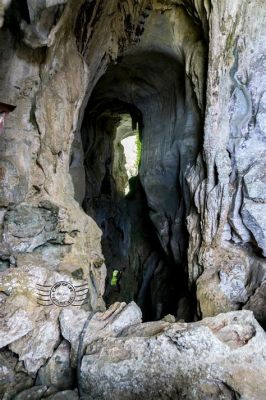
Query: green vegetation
{"x": 115, "y": 277}
{"x": 138, "y": 145}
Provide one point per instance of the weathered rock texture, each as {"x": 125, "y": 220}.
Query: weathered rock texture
{"x": 223, "y": 357}
{"x": 191, "y": 237}
{"x": 230, "y": 200}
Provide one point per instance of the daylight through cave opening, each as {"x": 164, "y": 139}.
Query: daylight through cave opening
{"x": 145, "y": 239}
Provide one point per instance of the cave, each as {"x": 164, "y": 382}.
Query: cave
{"x": 144, "y": 232}
{"x": 132, "y": 199}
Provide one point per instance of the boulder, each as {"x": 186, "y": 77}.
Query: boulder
{"x": 111, "y": 323}
{"x": 33, "y": 393}
{"x": 14, "y": 326}
{"x": 222, "y": 357}
{"x": 57, "y": 371}
{"x": 71, "y": 325}
{"x": 13, "y": 377}
{"x": 39, "y": 344}
{"x": 64, "y": 395}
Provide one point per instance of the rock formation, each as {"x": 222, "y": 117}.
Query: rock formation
{"x": 215, "y": 358}
{"x": 189, "y": 239}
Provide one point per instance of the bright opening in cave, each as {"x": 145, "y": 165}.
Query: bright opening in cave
{"x": 131, "y": 156}
{"x": 131, "y": 145}
{"x": 130, "y": 150}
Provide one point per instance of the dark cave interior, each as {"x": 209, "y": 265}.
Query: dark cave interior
{"x": 144, "y": 232}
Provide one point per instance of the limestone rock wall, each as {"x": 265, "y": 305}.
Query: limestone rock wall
{"x": 232, "y": 217}
{"x": 38, "y": 176}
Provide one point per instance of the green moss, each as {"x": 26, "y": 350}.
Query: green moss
{"x": 139, "y": 147}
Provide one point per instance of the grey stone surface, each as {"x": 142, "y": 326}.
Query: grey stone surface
{"x": 13, "y": 377}
{"x": 42, "y": 15}
{"x": 27, "y": 227}
{"x": 110, "y": 323}
{"x": 257, "y": 302}
{"x": 57, "y": 371}
{"x": 71, "y": 324}
{"x": 31, "y": 330}
{"x": 14, "y": 327}
{"x": 64, "y": 395}
{"x": 38, "y": 345}
{"x": 221, "y": 357}
{"x": 34, "y": 393}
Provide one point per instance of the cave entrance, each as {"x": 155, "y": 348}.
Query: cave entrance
{"x": 145, "y": 240}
